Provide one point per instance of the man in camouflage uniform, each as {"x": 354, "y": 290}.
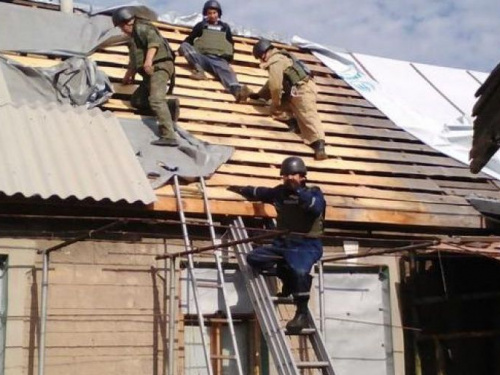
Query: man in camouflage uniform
{"x": 210, "y": 47}
{"x": 301, "y": 211}
{"x": 291, "y": 89}
{"x": 151, "y": 57}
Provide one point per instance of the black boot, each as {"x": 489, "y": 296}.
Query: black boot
{"x": 293, "y": 125}
{"x": 301, "y": 318}
{"x": 240, "y": 92}
{"x": 319, "y": 150}
{"x": 284, "y": 274}
{"x": 170, "y": 142}
{"x": 198, "y": 74}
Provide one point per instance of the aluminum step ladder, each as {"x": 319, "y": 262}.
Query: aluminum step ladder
{"x": 219, "y": 283}
{"x": 277, "y": 338}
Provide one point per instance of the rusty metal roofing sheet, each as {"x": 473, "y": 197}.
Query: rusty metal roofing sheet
{"x": 63, "y": 151}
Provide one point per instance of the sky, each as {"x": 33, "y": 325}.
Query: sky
{"x": 459, "y": 33}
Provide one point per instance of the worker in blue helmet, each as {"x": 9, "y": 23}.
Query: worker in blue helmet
{"x": 300, "y": 210}
{"x": 210, "y": 48}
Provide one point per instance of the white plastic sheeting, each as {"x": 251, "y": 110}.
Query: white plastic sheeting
{"x": 432, "y": 103}
{"x": 211, "y": 298}
{"x": 358, "y": 323}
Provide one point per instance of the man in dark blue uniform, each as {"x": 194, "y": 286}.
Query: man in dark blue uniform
{"x": 210, "y": 47}
{"x": 300, "y": 210}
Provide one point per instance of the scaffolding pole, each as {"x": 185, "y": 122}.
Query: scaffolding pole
{"x": 171, "y": 319}
{"x": 223, "y": 245}
{"x": 383, "y": 252}
{"x": 43, "y": 315}
{"x": 45, "y": 287}
{"x": 321, "y": 287}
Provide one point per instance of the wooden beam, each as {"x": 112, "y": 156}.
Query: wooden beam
{"x": 337, "y": 151}
{"x": 329, "y": 187}
{"x": 335, "y": 164}
{"x": 368, "y": 144}
{"x": 330, "y": 129}
{"x": 333, "y": 214}
{"x": 332, "y": 200}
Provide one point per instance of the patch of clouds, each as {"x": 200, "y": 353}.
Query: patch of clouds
{"x": 458, "y": 33}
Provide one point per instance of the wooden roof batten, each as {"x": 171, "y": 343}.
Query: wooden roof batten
{"x": 376, "y": 174}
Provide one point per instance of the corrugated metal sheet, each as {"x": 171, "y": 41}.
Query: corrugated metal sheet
{"x": 66, "y": 152}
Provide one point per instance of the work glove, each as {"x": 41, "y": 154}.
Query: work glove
{"x": 254, "y": 96}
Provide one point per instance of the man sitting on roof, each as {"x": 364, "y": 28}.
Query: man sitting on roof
{"x": 151, "y": 56}
{"x": 210, "y": 47}
{"x": 291, "y": 88}
{"x": 301, "y": 211}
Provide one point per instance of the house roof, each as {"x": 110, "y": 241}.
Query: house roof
{"x": 377, "y": 173}
{"x": 63, "y": 151}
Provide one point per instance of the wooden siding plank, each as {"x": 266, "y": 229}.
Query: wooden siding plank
{"x": 333, "y": 214}
{"x": 334, "y": 129}
{"x": 331, "y": 200}
{"x": 330, "y": 123}
{"x": 319, "y": 177}
{"x": 348, "y": 165}
{"x": 350, "y": 104}
{"x": 369, "y": 144}
{"x": 344, "y": 152}
{"x": 346, "y": 200}
{"x": 222, "y": 179}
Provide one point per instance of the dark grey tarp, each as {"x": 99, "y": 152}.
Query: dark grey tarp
{"x": 45, "y": 31}
{"x": 193, "y": 158}
{"x": 75, "y": 81}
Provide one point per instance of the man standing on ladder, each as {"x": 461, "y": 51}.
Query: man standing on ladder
{"x": 300, "y": 210}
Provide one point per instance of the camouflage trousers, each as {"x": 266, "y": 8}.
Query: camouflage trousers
{"x": 151, "y": 94}
{"x": 302, "y": 103}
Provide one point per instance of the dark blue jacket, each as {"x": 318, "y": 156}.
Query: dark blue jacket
{"x": 299, "y": 211}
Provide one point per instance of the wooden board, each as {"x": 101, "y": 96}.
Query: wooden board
{"x": 333, "y": 214}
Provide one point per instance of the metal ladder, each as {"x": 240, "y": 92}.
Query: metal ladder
{"x": 276, "y": 337}
{"x": 219, "y": 284}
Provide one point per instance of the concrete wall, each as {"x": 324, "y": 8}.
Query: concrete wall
{"x": 21, "y": 261}
{"x": 105, "y": 308}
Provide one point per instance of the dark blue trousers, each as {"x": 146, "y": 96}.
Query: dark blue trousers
{"x": 219, "y": 67}
{"x": 294, "y": 259}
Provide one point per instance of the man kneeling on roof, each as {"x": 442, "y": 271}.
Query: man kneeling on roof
{"x": 150, "y": 56}
{"x": 210, "y": 47}
{"x": 291, "y": 89}
{"x": 301, "y": 211}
